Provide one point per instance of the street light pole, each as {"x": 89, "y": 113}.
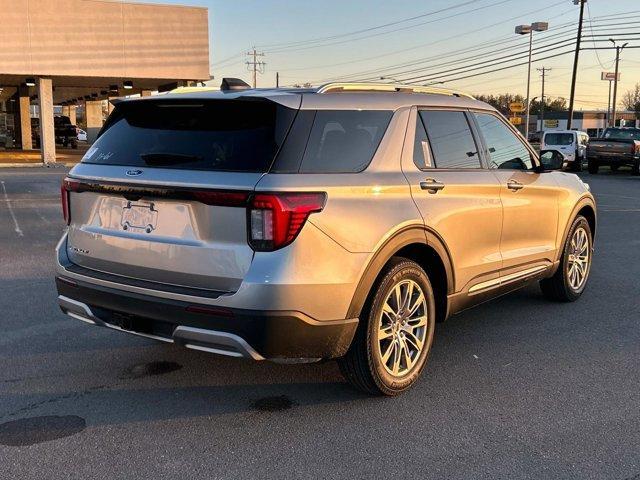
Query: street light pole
{"x": 526, "y": 121}
{"x": 615, "y": 81}
{"x": 523, "y": 30}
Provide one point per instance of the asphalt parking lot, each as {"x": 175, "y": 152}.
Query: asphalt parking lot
{"x": 516, "y": 388}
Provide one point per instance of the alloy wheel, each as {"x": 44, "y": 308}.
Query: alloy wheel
{"x": 402, "y": 328}
{"x": 578, "y": 263}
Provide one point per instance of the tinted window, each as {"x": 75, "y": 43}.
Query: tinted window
{"x": 558, "y": 139}
{"x": 506, "y": 150}
{"x": 421, "y": 150}
{"x": 221, "y": 135}
{"x": 344, "y": 141}
{"x": 450, "y": 138}
{"x": 622, "y": 133}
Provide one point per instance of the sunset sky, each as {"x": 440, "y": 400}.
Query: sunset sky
{"x": 424, "y": 42}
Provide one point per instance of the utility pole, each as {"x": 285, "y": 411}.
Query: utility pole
{"x": 277, "y": 79}
{"x": 543, "y": 71}
{"x": 615, "y": 82}
{"x": 255, "y": 65}
{"x": 575, "y": 62}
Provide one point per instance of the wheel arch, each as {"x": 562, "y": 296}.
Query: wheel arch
{"x": 420, "y": 245}
{"x": 587, "y": 208}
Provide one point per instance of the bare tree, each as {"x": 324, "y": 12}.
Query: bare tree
{"x": 631, "y": 100}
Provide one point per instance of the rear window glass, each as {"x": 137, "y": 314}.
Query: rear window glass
{"x": 224, "y": 135}
{"x": 344, "y": 141}
{"x": 558, "y": 139}
{"x": 451, "y": 140}
{"x": 622, "y": 134}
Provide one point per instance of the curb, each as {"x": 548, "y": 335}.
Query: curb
{"x": 38, "y": 165}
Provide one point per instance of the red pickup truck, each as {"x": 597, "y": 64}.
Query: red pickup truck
{"x": 615, "y": 148}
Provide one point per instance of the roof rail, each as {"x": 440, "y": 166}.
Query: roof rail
{"x": 337, "y": 87}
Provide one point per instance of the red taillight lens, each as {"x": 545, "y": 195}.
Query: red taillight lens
{"x": 67, "y": 186}
{"x": 275, "y": 219}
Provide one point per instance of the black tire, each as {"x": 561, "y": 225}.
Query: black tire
{"x": 363, "y": 366}
{"x": 635, "y": 169}
{"x": 577, "y": 165}
{"x": 593, "y": 166}
{"x": 558, "y": 287}
{"x": 614, "y": 168}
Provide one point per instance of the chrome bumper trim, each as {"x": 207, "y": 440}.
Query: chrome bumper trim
{"x": 212, "y": 341}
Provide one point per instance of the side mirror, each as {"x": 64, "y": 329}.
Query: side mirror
{"x": 552, "y": 160}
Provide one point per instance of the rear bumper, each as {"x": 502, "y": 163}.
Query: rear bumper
{"x": 615, "y": 159}
{"x": 282, "y": 335}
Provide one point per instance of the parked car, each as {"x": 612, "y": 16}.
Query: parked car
{"x": 64, "y": 131}
{"x": 299, "y": 225}
{"x": 616, "y": 147}
{"x": 535, "y": 137}
{"x": 572, "y": 143}
{"x": 81, "y": 134}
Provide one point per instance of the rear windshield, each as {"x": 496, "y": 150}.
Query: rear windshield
{"x": 558, "y": 139}
{"x": 622, "y": 133}
{"x": 223, "y": 135}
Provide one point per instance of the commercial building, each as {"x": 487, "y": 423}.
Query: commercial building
{"x": 592, "y": 122}
{"x": 82, "y": 52}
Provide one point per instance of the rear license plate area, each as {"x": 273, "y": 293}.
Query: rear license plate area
{"x": 139, "y": 217}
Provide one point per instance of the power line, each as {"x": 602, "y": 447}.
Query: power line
{"x": 392, "y": 70}
{"x": 364, "y": 30}
{"x": 364, "y": 37}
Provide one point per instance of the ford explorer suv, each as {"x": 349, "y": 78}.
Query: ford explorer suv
{"x": 302, "y": 225}
{"x": 616, "y": 147}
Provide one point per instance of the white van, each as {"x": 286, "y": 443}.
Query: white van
{"x": 572, "y": 144}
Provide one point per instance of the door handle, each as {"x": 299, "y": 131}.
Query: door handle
{"x": 431, "y": 185}
{"x": 514, "y": 185}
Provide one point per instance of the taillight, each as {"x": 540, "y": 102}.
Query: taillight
{"x": 276, "y": 219}
{"x": 67, "y": 186}
{"x": 221, "y": 198}
{"x": 637, "y": 147}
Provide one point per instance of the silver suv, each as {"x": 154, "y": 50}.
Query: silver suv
{"x": 300, "y": 225}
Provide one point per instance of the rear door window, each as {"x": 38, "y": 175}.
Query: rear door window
{"x": 563, "y": 139}
{"x": 344, "y": 141}
{"x": 451, "y": 140}
{"x": 222, "y": 135}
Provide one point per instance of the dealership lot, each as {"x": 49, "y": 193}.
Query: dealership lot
{"x": 516, "y": 388}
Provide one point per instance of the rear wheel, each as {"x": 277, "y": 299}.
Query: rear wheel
{"x": 395, "y": 334}
{"x": 635, "y": 170}
{"x": 570, "y": 280}
{"x": 593, "y": 166}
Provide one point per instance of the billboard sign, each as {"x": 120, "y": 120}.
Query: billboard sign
{"x": 611, "y": 76}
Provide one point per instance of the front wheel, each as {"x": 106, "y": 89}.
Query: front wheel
{"x": 570, "y": 280}
{"x": 395, "y": 334}
{"x": 635, "y": 169}
{"x": 593, "y": 166}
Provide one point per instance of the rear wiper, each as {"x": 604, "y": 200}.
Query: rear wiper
{"x": 165, "y": 159}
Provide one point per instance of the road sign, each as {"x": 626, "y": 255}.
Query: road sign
{"x": 610, "y": 76}
{"x": 516, "y": 107}
{"x": 551, "y": 123}
{"x": 515, "y": 120}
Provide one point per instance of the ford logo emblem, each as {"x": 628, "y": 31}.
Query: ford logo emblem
{"x": 133, "y": 173}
